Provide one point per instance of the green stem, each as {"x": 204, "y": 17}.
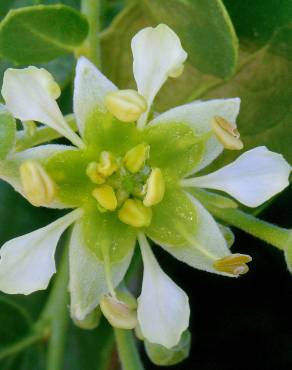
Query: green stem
{"x": 22, "y": 344}
{"x": 55, "y": 314}
{"x": 272, "y": 234}
{"x": 127, "y": 350}
{"x": 92, "y": 10}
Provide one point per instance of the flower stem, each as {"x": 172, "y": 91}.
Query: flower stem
{"x": 92, "y": 10}
{"x": 127, "y": 349}
{"x": 272, "y": 234}
{"x": 55, "y": 314}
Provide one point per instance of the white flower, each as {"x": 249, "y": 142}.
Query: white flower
{"x": 181, "y": 142}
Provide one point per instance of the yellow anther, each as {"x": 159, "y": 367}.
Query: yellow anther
{"x": 126, "y": 105}
{"x": 135, "y": 214}
{"x": 226, "y": 133}
{"x": 118, "y": 313}
{"x": 106, "y": 197}
{"x": 136, "y": 157}
{"x": 37, "y": 185}
{"x": 176, "y": 72}
{"x": 107, "y": 164}
{"x": 155, "y": 188}
{"x": 93, "y": 174}
{"x": 234, "y": 264}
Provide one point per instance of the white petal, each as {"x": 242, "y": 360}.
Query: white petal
{"x": 9, "y": 169}
{"x": 27, "y": 262}
{"x": 87, "y": 277}
{"x": 30, "y": 94}
{"x": 205, "y": 246}
{"x": 163, "y": 307}
{"x": 252, "y": 178}
{"x": 90, "y": 89}
{"x": 157, "y": 54}
{"x": 198, "y": 115}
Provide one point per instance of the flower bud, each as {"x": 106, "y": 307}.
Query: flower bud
{"x": 37, "y": 185}
{"x": 125, "y": 105}
{"x": 162, "y": 356}
{"x": 136, "y": 157}
{"x": 155, "y": 188}
{"x": 106, "y": 197}
{"x": 135, "y": 214}
{"x": 118, "y": 313}
{"x": 227, "y": 134}
{"x": 234, "y": 264}
{"x": 91, "y": 321}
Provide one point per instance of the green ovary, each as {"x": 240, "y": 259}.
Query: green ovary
{"x": 172, "y": 148}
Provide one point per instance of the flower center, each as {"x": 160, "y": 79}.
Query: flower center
{"x": 127, "y": 185}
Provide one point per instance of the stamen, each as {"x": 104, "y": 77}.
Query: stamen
{"x": 91, "y": 321}
{"x": 126, "y": 105}
{"x": 155, "y": 188}
{"x": 107, "y": 164}
{"x": 118, "y": 313}
{"x": 226, "y": 133}
{"x": 106, "y": 197}
{"x": 136, "y": 157}
{"x": 135, "y": 214}
{"x": 175, "y": 73}
{"x": 38, "y": 187}
{"x": 93, "y": 174}
{"x": 234, "y": 264}
{"x": 30, "y": 127}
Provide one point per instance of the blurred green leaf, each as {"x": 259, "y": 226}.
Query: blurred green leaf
{"x": 116, "y": 45}
{"x": 40, "y": 33}
{"x": 6, "y": 5}
{"x": 15, "y": 322}
{"x": 205, "y": 30}
{"x": 24, "y": 218}
{"x": 90, "y": 349}
{"x": 32, "y": 359}
{"x": 258, "y": 20}
{"x": 162, "y": 356}
{"x": 7, "y": 132}
{"x": 264, "y": 85}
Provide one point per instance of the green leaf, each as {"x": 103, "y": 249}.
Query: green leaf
{"x": 6, "y": 5}
{"x": 7, "y": 132}
{"x": 40, "y": 33}
{"x": 205, "y": 30}
{"x": 162, "y": 356}
{"x": 116, "y": 45}
{"x": 264, "y": 85}
{"x": 258, "y": 20}
{"x": 24, "y": 218}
